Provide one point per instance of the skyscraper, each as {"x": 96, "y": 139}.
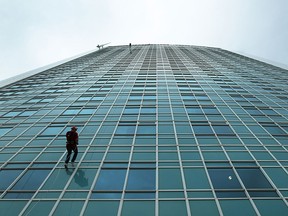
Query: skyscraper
{"x": 164, "y": 130}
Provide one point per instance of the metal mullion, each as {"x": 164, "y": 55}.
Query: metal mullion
{"x": 239, "y": 179}
{"x": 205, "y": 167}
{"x": 270, "y": 181}
{"x": 230, "y": 162}
{"x": 157, "y": 143}
{"x": 84, "y": 154}
{"x": 129, "y": 161}
{"x": 42, "y": 184}
{"x": 106, "y": 151}
{"x": 261, "y": 168}
{"x": 157, "y": 136}
{"x": 179, "y": 157}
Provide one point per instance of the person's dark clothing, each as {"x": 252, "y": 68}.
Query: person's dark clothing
{"x": 71, "y": 145}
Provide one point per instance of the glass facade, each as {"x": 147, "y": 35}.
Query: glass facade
{"x": 164, "y": 130}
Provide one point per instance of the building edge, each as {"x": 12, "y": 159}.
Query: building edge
{"x": 30, "y": 73}
{"x": 263, "y": 60}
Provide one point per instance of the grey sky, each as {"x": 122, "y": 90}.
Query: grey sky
{"x": 34, "y": 33}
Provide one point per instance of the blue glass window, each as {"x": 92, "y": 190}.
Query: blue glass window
{"x": 194, "y": 110}
{"x": 253, "y": 111}
{"x": 111, "y": 179}
{"x": 31, "y": 180}
{"x": 141, "y": 179}
{"x": 87, "y": 111}
{"x": 131, "y": 110}
{"x": 125, "y": 129}
{"x": 27, "y": 113}
{"x": 149, "y": 97}
{"x": 137, "y": 195}
{"x": 202, "y": 129}
{"x": 148, "y": 110}
{"x": 52, "y": 131}
{"x": 210, "y": 110}
{"x": 13, "y": 195}
{"x": 222, "y": 129}
{"x": 7, "y": 177}
{"x": 224, "y": 179}
{"x": 84, "y": 98}
{"x": 146, "y": 129}
{"x": 71, "y": 112}
{"x": 12, "y": 114}
{"x": 274, "y": 129}
{"x": 253, "y": 178}
{"x": 106, "y": 195}
{"x": 4, "y": 130}
{"x": 98, "y": 98}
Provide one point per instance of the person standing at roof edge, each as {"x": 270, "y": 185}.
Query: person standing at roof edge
{"x": 130, "y": 46}
{"x": 71, "y": 145}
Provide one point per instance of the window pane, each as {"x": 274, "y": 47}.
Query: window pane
{"x": 141, "y": 179}
{"x": 146, "y": 129}
{"x": 40, "y": 206}
{"x": 125, "y": 129}
{"x": 71, "y": 112}
{"x": 31, "y": 180}
{"x": 69, "y": 208}
{"x": 117, "y": 156}
{"x": 131, "y": 110}
{"x": 111, "y": 179}
{"x": 83, "y": 179}
{"x": 57, "y": 180}
{"x": 205, "y": 207}
{"x": 278, "y": 176}
{"x": 196, "y": 178}
{"x": 224, "y": 179}
{"x": 174, "y": 176}
{"x": 230, "y": 194}
{"x": 106, "y": 195}
{"x": 139, "y": 208}
{"x": 9, "y": 208}
{"x": 234, "y": 207}
{"x": 172, "y": 208}
{"x": 194, "y": 110}
{"x": 4, "y": 130}
{"x": 274, "y": 129}
{"x": 87, "y": 111}
{"x": 253, "y": 178}
{"x": 12, "y": 195}
{"x": 222, "y": 129}
{"x": 210, "y": 110}
{"x": 52, "y": 131}
{"x": 202, "y": 129}
{"x": 107, "y": 208}
{"x": 271, "y": 207}
{"x": 7, "y": 177}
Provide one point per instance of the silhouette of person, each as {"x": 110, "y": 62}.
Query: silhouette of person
{"x": 130, "y": 47}
{"x": 71, "y": 145}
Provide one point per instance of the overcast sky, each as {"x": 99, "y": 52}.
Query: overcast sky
{"x": 34, "y": 33}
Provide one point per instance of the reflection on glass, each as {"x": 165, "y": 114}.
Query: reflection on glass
{"x": 80, "y": 178}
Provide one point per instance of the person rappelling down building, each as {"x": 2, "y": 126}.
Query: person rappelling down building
{"x": 71, "y": 145}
